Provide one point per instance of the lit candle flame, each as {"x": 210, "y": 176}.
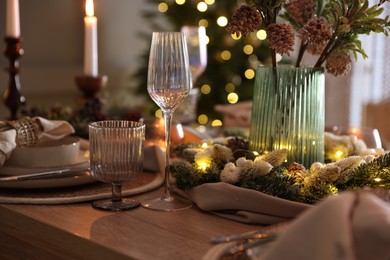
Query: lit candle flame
{"x": 89, "y": 9}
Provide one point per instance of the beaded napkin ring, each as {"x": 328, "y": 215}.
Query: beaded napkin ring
{"x": 28, "y": 131}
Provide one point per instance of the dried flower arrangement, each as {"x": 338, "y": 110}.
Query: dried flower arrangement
{"x": 328, "y": 28}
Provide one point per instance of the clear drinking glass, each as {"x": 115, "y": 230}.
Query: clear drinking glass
{"x": 197, "y": 49}
{"x": 169, "y": 82}
{"x": 196, "y": 38}
{"x": 116, "y": 156}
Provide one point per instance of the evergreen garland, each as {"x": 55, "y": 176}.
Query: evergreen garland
{"x": 373, "y": 174}
{"x": 268, "y": 175}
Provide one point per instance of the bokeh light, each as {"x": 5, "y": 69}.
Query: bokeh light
{"x": 261, "y": 35}
{"x": 202, "y": 7}
{"x": 162, "y": 7}
{"x": 222, "y": 21}
{"x": 232, "y": 98}
{"x": 205, "y": 89}
{"x": 203, "y": 119}
{"x": 249, "y": 73}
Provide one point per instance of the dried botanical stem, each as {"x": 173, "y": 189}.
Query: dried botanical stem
{"x": 302, "y": 49}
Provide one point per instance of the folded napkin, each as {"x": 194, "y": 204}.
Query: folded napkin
{"x": 29, "y": 131}
{"x": 243, "y": 205}
{"x": 353, "y": 225}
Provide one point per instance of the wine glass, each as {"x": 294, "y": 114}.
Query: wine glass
{"x": 197, "y": 49}
{"x": 197, "y": 54}
{"x": 169, "y": 82}
{"x": 116, "y": 157}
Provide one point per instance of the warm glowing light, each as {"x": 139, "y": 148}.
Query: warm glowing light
{"x": 249, "y": 73}
{"x": 255, "y": 153}
{"x": 202, "y": 165}
{"x": 230, "y": 87}
{"x": 207, "y": 39}
{"x": 202, "y": 7}
{"x": 205, "y": 89}
{"x": 339, "y": 154}
{"x": 354, "y": 130}
{"x": 278, "y": 57}
{"x": 203, "y": 119}
{"x": 226, "y": 55}
{"x": 261, "y": 35}
{"x": 180, "y": 2}
{"x": 378, "y": 179}
{"x": 216, "y": 123}
{"x": 158, "y": 113}
{"x": 89, "y": 8}
{"x": 248, "y": 49}
{"x": 232, "y": 98}
{"x": 209, "y": 2}
{"x": 203, "y": 22}
{"x": 235, "y": 37}
{"x": 222, "y": 21}
{"x": 162, "y": 7}
{"x": 201, "y": 129}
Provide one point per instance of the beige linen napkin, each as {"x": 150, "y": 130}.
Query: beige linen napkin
{"x": 353, "y": 225}
{"x": 50, "y": 130}
{"x": 243, "y": 205}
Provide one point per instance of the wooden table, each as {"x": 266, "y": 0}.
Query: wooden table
{"x": 78, "y": 231}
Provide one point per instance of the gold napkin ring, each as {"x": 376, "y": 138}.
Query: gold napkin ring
{"x": 28, "y": 132}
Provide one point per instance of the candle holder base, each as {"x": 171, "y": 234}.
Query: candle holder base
{"x": 90, "y": 85}
{"x": 12, "y": 96}
{"x": 91, "y": 105}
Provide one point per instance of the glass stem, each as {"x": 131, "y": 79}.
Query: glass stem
{"x": 116, "y": 192}
{"x": 168, "y": 121}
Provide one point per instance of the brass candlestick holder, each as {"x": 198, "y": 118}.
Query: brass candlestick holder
{"x": 12, "y": 97}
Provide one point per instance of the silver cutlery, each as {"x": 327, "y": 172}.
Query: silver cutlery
{"x": 250, "y": 243}
{"x": 257, "y": 234}
{"x": 66, "y": 173}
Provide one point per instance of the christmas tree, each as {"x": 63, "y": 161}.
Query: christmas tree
{"x": 232, "y": 61}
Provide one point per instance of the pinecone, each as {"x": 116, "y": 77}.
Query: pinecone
{"x": 316, "y": 32}
{"x": 338, "y": 63}
{"x": 237, "y": 143}
{"x": 301, "y": 10}
{"x": 245, "y": 20}
{"x": 280, "y": 37}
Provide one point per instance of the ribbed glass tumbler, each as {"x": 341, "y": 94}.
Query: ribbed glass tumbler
{"x": 116, "y": 157}
{"x": 288, "y": 113}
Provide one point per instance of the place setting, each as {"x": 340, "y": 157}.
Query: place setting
{"x": 47, "y": 164}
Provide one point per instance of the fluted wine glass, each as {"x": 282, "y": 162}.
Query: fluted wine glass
{"x": 169, "y": 82}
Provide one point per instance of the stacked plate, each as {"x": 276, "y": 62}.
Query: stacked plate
{"x": 64, "y": 155}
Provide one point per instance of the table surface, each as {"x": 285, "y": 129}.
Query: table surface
{"x": 78, "y": 231}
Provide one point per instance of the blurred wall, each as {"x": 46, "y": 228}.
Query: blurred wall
{"x": 53, "y": 42}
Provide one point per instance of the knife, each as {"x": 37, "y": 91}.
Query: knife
{"x": 66, "y": 173}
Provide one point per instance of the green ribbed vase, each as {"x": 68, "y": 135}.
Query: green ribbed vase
{"x": 288, "y": 113}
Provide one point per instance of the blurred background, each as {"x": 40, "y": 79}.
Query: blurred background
{"x": 53, "y": 42}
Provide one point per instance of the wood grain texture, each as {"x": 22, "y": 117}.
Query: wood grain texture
{"x": 78, "y": 231}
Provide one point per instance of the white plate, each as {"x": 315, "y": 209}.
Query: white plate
{"x": 81, "y": 163}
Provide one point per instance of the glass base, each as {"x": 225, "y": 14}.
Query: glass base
{"x": 108, "y": 204}
{"x": 173, "y": 203}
